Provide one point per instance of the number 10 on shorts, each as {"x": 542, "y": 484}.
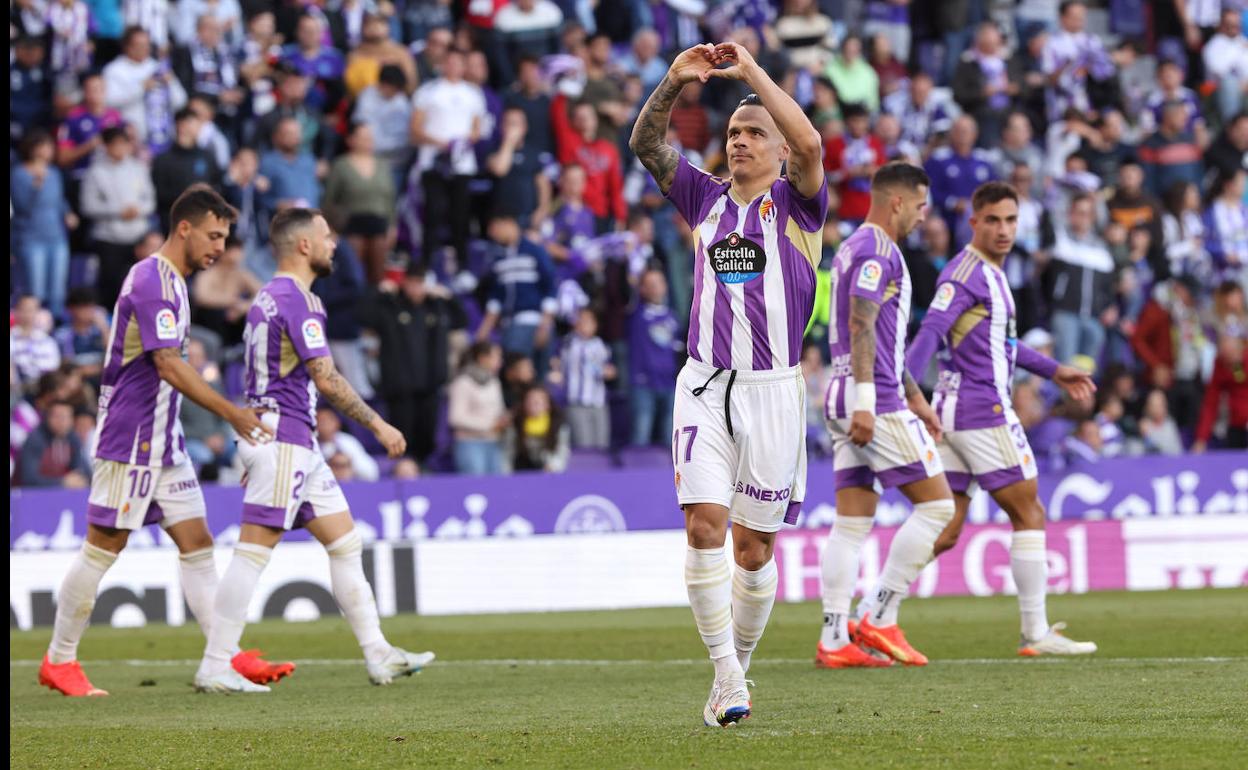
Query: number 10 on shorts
{"x": 692, "y": 432}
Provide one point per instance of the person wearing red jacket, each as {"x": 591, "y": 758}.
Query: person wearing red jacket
{"x": 1230, "y": 379}
{"x": 850, "y": 159}
{"x": 576, "y": 142}
{"x": 1169, "y": 341}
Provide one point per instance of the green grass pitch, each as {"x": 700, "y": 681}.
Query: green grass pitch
{"x": 1168, "y": 689}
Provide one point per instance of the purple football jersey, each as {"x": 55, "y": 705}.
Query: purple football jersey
{"x": 869, "y": 265}
{"x": 285, "y": 329}
{"x": 139, "y": 419}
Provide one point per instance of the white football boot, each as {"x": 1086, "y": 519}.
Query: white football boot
{"x": 728, "y": 703}
{"x": 398, "y": 663}
{"x": 1055, "y": 643}
{"x": 230, "y": 681}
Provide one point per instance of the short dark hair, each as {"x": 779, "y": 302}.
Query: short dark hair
{"x": 80, "y": 296}
{"x": 31, "y": 142}
{"x": 129, "y": 34}
{"x": 287, "y": 221}
{"x": 750, "y": 100}
{"x": 1066, "y": 4}
{"x": 989, "y": 193}
{"x": 197, "y": 202}
{"x": 899, "y": 173}
{"x": 112, "y": 134}
{"x": 186, "y": 113}
{"x": 392, "y": 75}
{"x": 851, "y": 110}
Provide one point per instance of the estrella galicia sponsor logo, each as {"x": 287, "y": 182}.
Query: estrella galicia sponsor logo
{"x": 737, "y": 260}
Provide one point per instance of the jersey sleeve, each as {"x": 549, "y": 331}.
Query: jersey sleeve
{"x": 692, "y": 191}
{"x": 869, "y": 277}
{"x": 952, "y": 299}
{"x": 809, "y": 213}
{"x": 155, "y": 309}
{"x": 306, "y": 329}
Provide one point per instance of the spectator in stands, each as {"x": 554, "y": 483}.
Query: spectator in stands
{"x": 1017, "y": 148}
{"x": 923, "y": 115}
{"x": 405, "y": 469}
{"x": 888, "y": 131}
{"x": 653, "y": 342}
{"x": 851, "y": 159}
{"x": 1183, "y": 231}
{"x": 315, "y": 137}
{"x": 438, "y": 42}
{"x": 955, "y": 172}
{"x": 30, "y": 87}
{"x": 322, "y": 64}
{"x": 691, "y": 119}
{"x": 359, "y": 200}
{"x": 529, "y": 28}
{"x": 572, "y": 223}
{"x": 890, "y": 70}
{"x": 387, "y": 110}
{"x": 210, "y": 136}
{"x": 1169, "y": 88}
{"x": 228, "y": 15}
{"x": 1170, "y": 341}
{"x": 576, "y": 142}
{"x": 1171, "y": 153}
{"x": 1226, "y": 63}
{"x": 1083, "y": 445}
{"x": 1081, "y": 275}
{"x": 1157, "y": 429}
{"x": 1105, "y": 151}
{"x": 223, "y": 295}
{"x": 342, "y": 291}
{"x": 40, "y": 216}
{"x": 182, "y": 165}
{"x": 414, "y": 323}
{"x": 80, "y": 135}
{"x": 984, "y": 85}
{"x": 243, "y": 187}
{"x": 1227, "y": 152}
{"x": 375, "y": 51}
{"x": 1226, "y": 226}
{"x": 853, "y": 77}
{"x": 447, "y": 118}
{"x": 586, "y": 365}
{"x": 1109, "y": 412}
{"x": 529, "y": 94}
{"x": 52, "y": 454}
{"x": 340, "y": 465}
{"x": 84, "y": 338}
{"x": 290, "y": 170}
{"x": 1071, "y": 56}
{"x": 521, "y": 186}
{"x": 208, "y": 66}
{"x": 1230, "y": 317}
{"x": 1131, "y": 206}
{"x": 518, "y": 375}
{"x": 209, "y": 439}
{"x": 477, "y": 415}
{"x": 32, "y": 352}
{"x": 522, "y": 298}
{"x": 333, "y": 441}
{"x": 144, "y": 90}
{"x": 538, "y": 439}
{"x": 805, "y": 33}
{"x": 1229, "y": 380}
{"x": 644, "y": 60}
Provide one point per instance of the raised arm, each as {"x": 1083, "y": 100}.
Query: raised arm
{"x": 805, "y": 164}
{"x": 649, "y": 139}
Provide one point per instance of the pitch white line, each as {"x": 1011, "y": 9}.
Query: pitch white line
{"x": 505, "y": 662}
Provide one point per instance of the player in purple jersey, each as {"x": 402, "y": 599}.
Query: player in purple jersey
{"x": 882, "y": 428}
{"x": 288, "y": 484}
{"x": 983, "y": 444}
{"x": 739, "y": 442}
{"x": 140, "y": 473}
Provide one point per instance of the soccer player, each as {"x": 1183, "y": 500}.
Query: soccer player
{"x": 883, "y": 430}
{"x": 140, "y": 472}
{"x": 972, "y": 321}
{"x": 739, "y": 439}
{"x": 288, "y": 483}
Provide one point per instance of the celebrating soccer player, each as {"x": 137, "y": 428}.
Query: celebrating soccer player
{"x": 882, "y": 427}
{"x": 288, "y": 483}
{"x": 739, "y": 439}
{"x": 141, "y": 473}
{"x": 972, "y": 322}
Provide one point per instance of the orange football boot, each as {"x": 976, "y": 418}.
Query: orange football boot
{"x": 67, "y": 679}
{"x": 890, "y": 641}
{"x": 257, "y": 669}
{"x": 849, "y": 656}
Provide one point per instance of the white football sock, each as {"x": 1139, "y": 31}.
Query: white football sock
{"x": 1030, "y": 566}
{"x": 229, "y": 609}
{"x": 76, "y": 599}
{"x": 909, "y": 553}
{"x": 840, "y": 575}
{"x": 355, "y": 596}
{"x": 753, "y": 594}
{"x": 198, "y": 570}
{"x": 709, "y": 582}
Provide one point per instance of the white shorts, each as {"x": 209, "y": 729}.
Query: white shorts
{"x": 758, "y": 470}
{"x": 991, "y": 458}
{"x": 901, "y": 452}
{"x": 288, "y": 485}
{"x": 125, "y": 496}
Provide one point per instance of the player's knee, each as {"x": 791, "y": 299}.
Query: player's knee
{"x": 940, "y": 511}
{"x": 753, "y": 556}
{"x": 704, "y": 531}
{"x": 346, "y": 547}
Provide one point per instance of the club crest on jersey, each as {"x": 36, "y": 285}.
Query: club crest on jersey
{"x": 313, "y": 334}
{"x": 166, "y": 325}
{"x": 737, "y": 260}
{"x": 767, "y": 210}
{"x": 870, "y": 275}
{"x": 944, "y": 297}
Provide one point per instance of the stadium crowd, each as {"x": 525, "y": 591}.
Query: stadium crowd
{"x": 510, "y": 287}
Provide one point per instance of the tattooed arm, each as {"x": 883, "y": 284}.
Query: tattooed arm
{"x": 183, "y": 378}
{"x": 335, "y": 388}
{"x": 862, "y": 315}
{"x": 649, "y": 139}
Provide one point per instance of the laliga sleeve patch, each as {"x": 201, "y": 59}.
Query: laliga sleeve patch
{"x": 313, "y": 334}
{"x": 166, "y": 325}
{"x": 944, "y": 297}
{"x": 870, "y": 274}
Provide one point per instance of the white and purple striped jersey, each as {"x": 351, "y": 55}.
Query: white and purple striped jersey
{"x": 139, "y": 419}
{"x": 285, "y": 329}
{"x": 584, "y": 369}
{"x": 869, "y": 265}
{"x": 754, "y": 269}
